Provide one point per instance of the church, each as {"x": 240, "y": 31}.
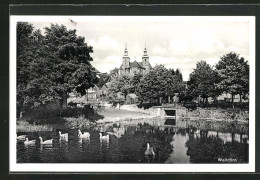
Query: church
{"x": 131, "y": 68}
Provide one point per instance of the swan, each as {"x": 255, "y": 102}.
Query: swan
{"x": 45, "y": 142}
{"x": 103, "y": 137}
{"x": 197, "y": 132}
{"x": 21, "y": 137}
{"x": 149, "y": 151}
{"x": 64, "y": 136}
{"x": 117, "y": 134}
{"x": 84, "y": 135}
{"x": 27, "y": 142}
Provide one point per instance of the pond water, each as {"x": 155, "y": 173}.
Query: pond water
{"x": 181, "y": 142}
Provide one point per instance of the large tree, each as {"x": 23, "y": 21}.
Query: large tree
{"x": 234, "y": 74}
{"x": 52, "y": 65}
{"x": 159, "y": 83}
{"x": 120, "y": 84}
{"x": 203, "y": 82}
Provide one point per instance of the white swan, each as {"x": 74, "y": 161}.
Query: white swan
{"x": 21, "y": 137}
{"x": 45, "y": 142}
{"x": 103, "y": 137}
{"x": 197, "y": 132}
{"x": 84, "y": 135}
{"x": 149, "y": 151}
{"x": 27, "y": 142}
{"x": 63, "y": 136}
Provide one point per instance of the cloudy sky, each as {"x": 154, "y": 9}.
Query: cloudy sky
{"x": 176, "y": 42}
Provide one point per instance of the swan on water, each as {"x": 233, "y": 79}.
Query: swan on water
{"x": 45, "y": 142}
{"x": 21, "y": 137}
{"x": 103, "y": 137}
{"x": 63, "y": 136}
{"x": 27, "y": 142}
{"x": 149, "y": 151}
{"x": 84, "y": 135}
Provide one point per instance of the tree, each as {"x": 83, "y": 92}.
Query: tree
{"x": 135, "y": 82}
{"x": 202, "y": 82}
{"x": 234, "y": 75}
{"x": 51, "y": 66}
{"x": 120, "y": 84}
{"x": 158, "y": 83}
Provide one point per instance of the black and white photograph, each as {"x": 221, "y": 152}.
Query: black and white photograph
{"x": 132, "y": 93}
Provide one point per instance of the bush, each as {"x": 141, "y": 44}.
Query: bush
{"x": 147, "y": 105}
{"x": 225, "y": 105}
{"x": 42, "y": 112}
{"x": 79, "y": 122}
{"x": 51, "y": 115}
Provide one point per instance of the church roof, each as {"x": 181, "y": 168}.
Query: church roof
{"x": 132, "y": 95}
{"x": 103, "y": 78}
{"x": 136, "y": 64}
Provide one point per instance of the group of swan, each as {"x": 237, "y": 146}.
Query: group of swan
{"x": 86, "y": 135}
{"x": 32, "y": 142}
{"x": 148, "y": 152}
{"x": 64, "y": 136}
{"x": 46, "y": 142}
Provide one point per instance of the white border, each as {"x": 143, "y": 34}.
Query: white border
{"x": 73, "y": 167}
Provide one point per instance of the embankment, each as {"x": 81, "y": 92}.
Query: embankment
{"x": 229, "y": 114}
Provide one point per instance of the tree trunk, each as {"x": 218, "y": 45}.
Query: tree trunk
{"x": 232, "y": 100}
{"x": 64, "y": 104}
{"x": 240, "y": 95}
{"x": 19, "y": 110}
{"x": 87, "y": 95}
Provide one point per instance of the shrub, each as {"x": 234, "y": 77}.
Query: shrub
{"x": 147, "y": 105}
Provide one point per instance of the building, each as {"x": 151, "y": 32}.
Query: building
{"x": 131, "y": 68}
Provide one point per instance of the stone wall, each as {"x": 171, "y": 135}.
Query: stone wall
{"x": 199, "y": 113}
{"x": 211, "y": 113}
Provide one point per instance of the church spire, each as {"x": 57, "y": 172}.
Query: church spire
{"x": 126, "y": 52}
{"x": 145, "y": 50}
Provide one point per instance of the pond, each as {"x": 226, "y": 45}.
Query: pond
{"x": 183, "y": 141}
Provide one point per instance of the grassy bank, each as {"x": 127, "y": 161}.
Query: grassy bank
{"x": 24, "y": 126}
{"x": 48, "y": 119}
{"x": 229, "y": 114}
{"x": 65, "y": 123}
{"x": 114, "y": 114}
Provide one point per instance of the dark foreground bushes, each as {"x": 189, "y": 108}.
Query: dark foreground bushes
{"x": 224, "y": 105}
{"x": 51, "y": 115}
{"x": 147, "y": 105}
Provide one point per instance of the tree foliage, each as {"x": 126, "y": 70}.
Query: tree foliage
{"x": 203, "y": 82}
{"x": 234, "y": 74}
{"x": 51, "y": 65}
{"x": 120, "y": 84}
{"x": 159, "y": 83}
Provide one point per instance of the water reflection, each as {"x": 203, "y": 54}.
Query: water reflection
{"x": 172, "y": 141}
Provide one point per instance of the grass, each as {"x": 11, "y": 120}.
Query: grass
{"x": 49, "y": 119}
{"x": 78, "y": 122}
{"x": 24, "y": 126}
{"x": 114, "y": 114}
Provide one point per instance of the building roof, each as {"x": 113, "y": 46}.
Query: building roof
{"x": 133, "y": 96}
{"x": 102, "y": 79}
{"x": 137, "y": 64}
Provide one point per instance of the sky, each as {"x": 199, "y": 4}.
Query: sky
{"x": 176, "y": 42}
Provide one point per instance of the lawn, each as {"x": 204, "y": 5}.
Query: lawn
{"x": 114, "y": 114}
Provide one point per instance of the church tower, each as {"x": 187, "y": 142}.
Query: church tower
{"x": 126, "y": 59}
{"x": 145, "y": 61}
{"x": 125, "y": 66}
